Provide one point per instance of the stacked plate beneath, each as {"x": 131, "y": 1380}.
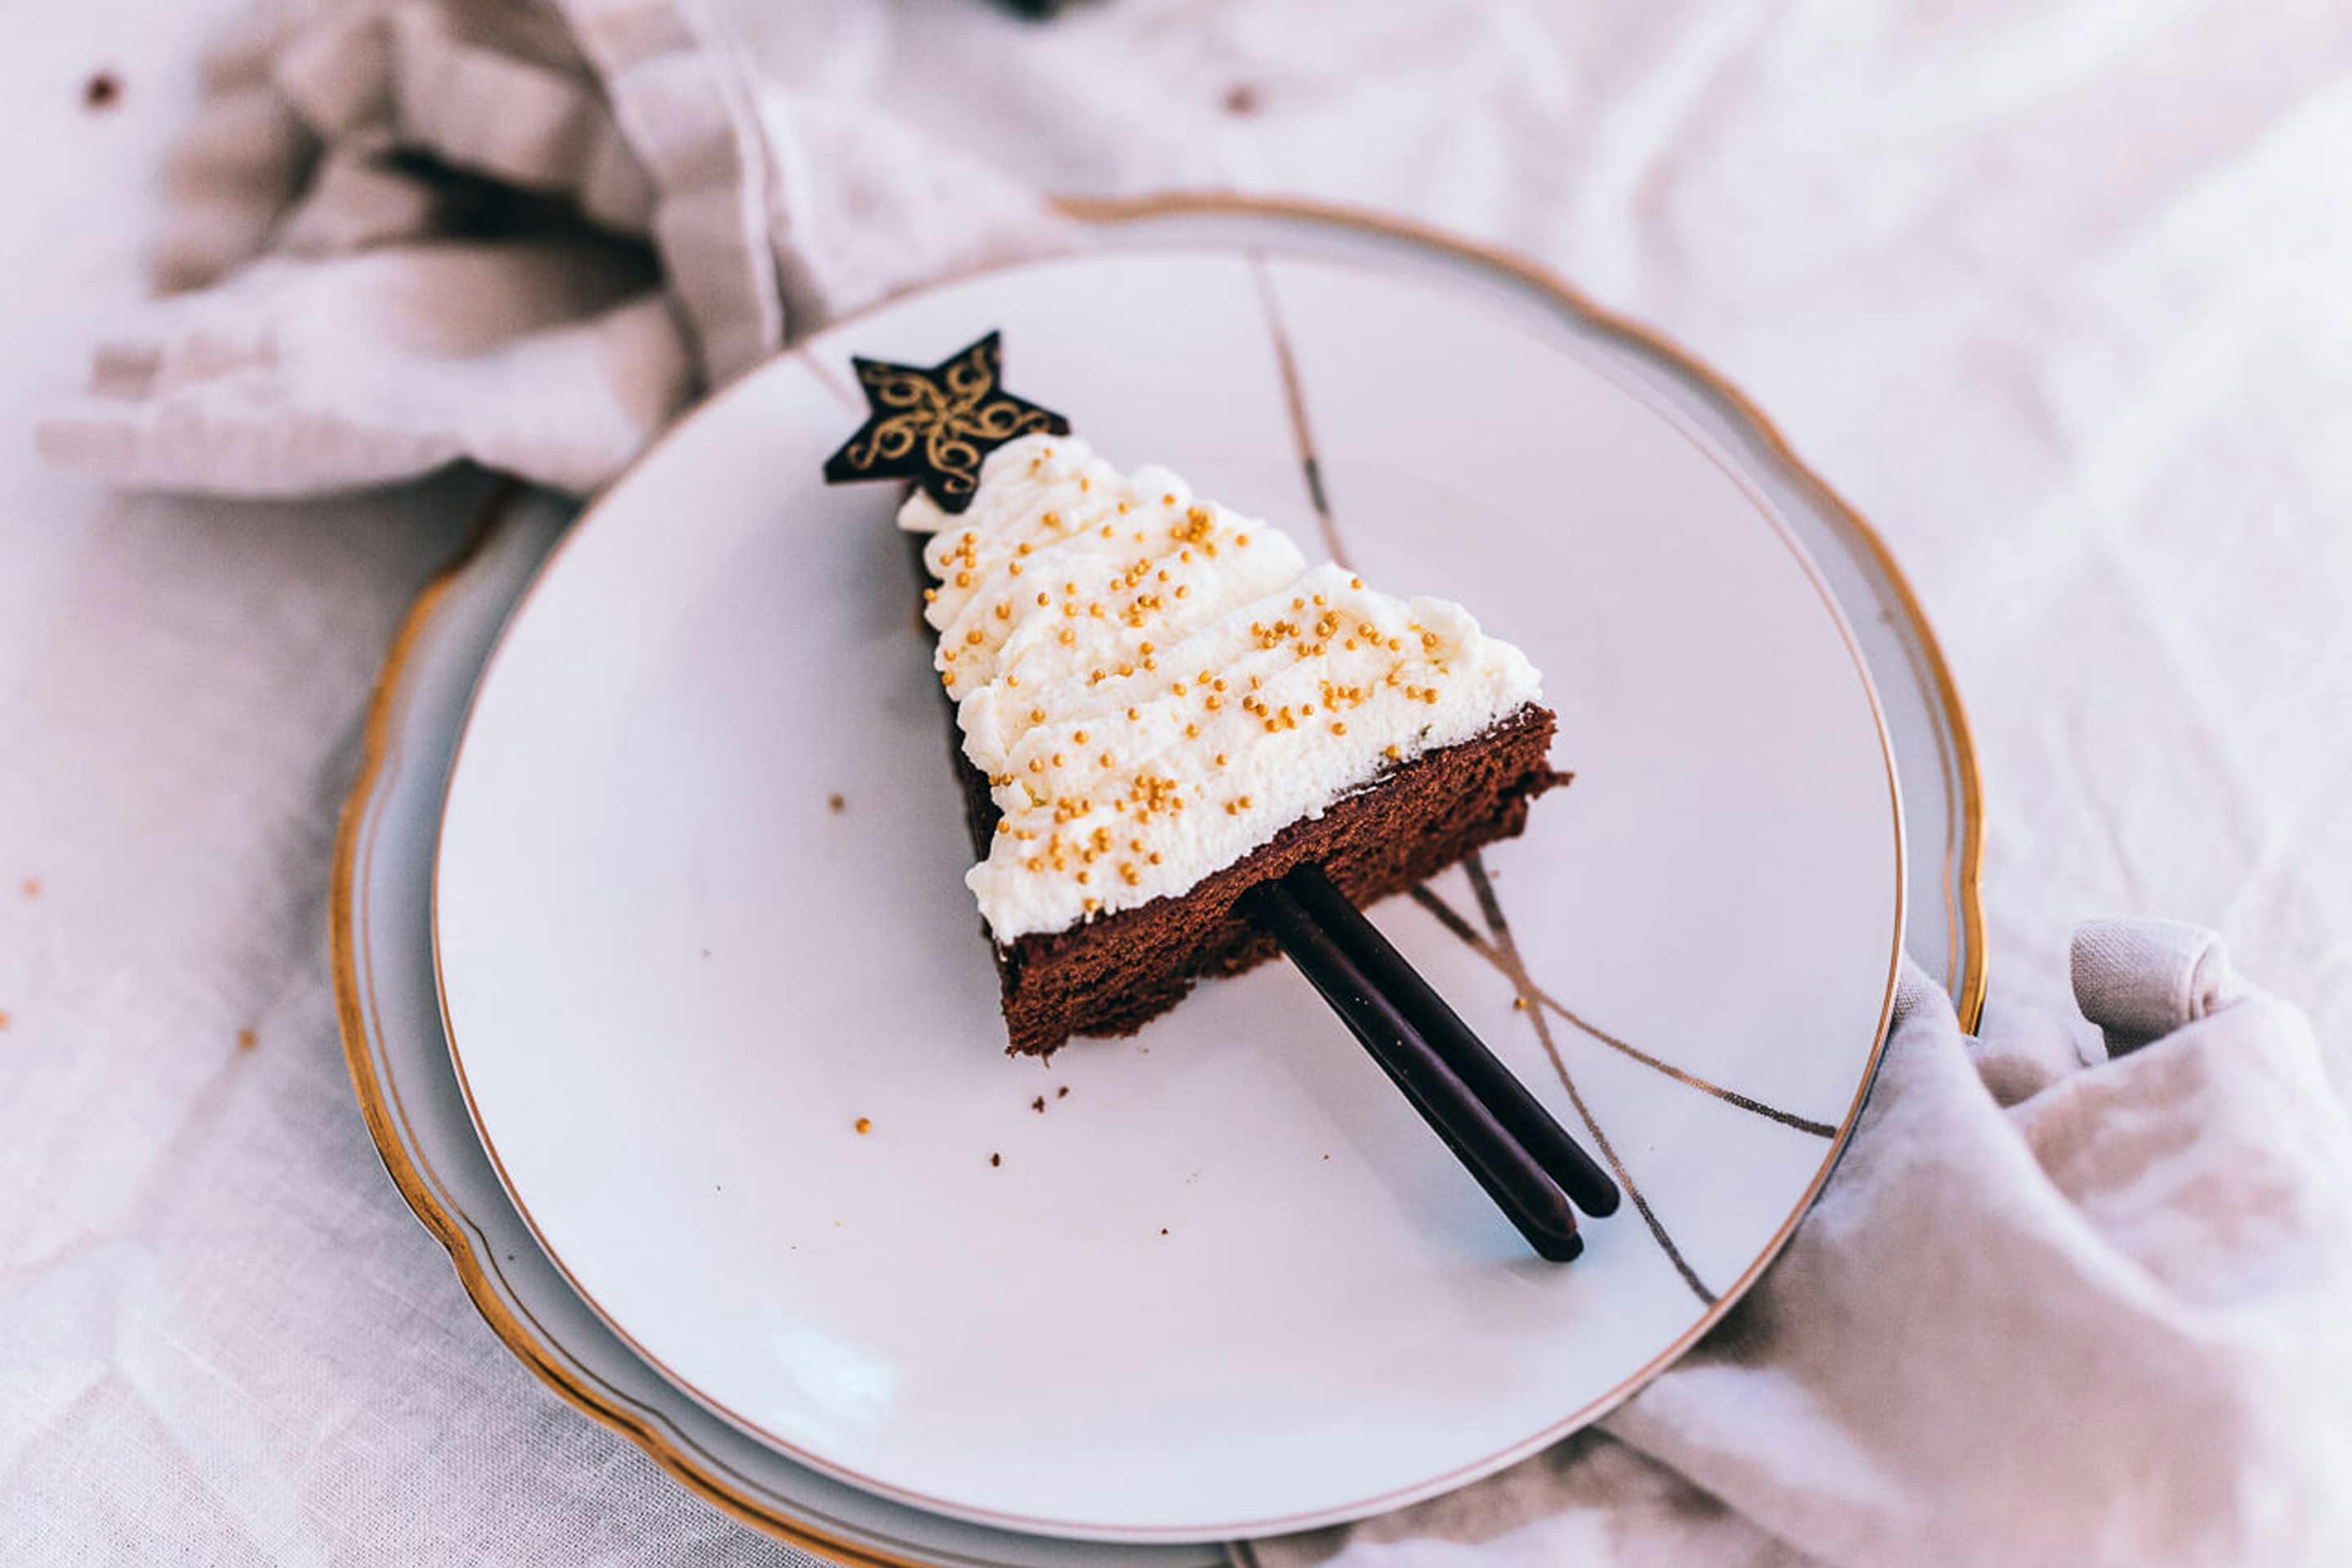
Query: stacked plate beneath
{"x": 699, "y": 913}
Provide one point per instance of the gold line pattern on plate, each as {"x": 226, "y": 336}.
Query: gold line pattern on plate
{"x": 1536, "y": 996}
{"x": 1968, "y": 975}
{"x": 1961, "y": 881}
{"x": 1500, "y": 946}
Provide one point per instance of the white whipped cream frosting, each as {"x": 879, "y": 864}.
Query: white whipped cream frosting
{"x": 1156, "y": 686}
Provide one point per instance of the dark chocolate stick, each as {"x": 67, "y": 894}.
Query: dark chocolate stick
{"x": 1510, "y": 1175}
{"x": 1521, "y": 1114}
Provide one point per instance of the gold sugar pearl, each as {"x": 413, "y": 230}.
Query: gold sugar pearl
{"x": 1339, "y": 727}
{"x": 1058, "y": 759}
{"x": 1044, "y": 598}
{"x": 1247, "y": 802}
{"x": 1220, "y": 759}
{"x": 1242, "y": 540}
{"x": 1036, "y": 715}
{"x": 1004, "y": 612}
{"x": 1393, "y": 753}
{"x": 930, "y": 596}
{"x": 1356, "y": 583}
{"x": 1105, "y": 759}
{"x": 963, "y": 579}
{"x": 974, "y": 637}
{"x": 1191, "y": 731}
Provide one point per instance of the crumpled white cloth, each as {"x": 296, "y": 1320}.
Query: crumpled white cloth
{"x": 2044, "y": 290}
{"x": 658, "y": 219}
{"x": 2051, "y": 1308}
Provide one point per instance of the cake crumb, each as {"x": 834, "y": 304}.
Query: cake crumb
{"x": 1038, "y": 1105}
{"x": 995, "y": 1160}
{"x": 865, "y": 1125}
{"x": 1518, "y": 1004}
{"x": 1242, "y": 99}
{"x": 32, "y": 886}
{"x": 1062, "y": 1092}
{"x": 1163, "y": 1230}
{"x": 246, "y": 1039}
{"x": 4, "y": 1018}
{"x": 836, "y": 803}
{"x": 103, "y": 90}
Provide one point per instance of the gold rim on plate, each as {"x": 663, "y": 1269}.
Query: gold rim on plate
{"x": 1961, "y": 878}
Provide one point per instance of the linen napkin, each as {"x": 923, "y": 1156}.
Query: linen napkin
{"x": 412, "y": 232}
{"x": 2051, "y": 1308}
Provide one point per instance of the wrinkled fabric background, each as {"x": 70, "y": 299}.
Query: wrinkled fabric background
{"x": 2051, "y": 292}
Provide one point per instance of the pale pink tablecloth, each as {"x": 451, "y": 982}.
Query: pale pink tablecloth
{"x": 2051, "y": 292}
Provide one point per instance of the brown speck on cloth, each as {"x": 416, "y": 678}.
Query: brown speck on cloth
{"x": 102, "y": 91}
{"x": 246, "y": 1039}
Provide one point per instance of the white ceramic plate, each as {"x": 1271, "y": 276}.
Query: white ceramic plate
{"x": 725, "y": 645}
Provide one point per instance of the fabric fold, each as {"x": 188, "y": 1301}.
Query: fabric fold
{"x": 382, "y": 156}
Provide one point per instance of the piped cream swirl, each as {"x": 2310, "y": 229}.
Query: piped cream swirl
{"x": 1155, "y": 686}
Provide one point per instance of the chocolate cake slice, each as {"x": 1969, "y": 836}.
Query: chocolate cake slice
{"x": 1159, "y": 705}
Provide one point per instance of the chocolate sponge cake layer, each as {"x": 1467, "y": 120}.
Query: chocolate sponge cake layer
{"x": 1113, "y": 973}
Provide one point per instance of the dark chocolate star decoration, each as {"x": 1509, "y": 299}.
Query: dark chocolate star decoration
{"x": 933, "y": 426}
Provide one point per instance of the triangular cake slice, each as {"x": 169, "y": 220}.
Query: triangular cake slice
{"x": 1159, "y": 704}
